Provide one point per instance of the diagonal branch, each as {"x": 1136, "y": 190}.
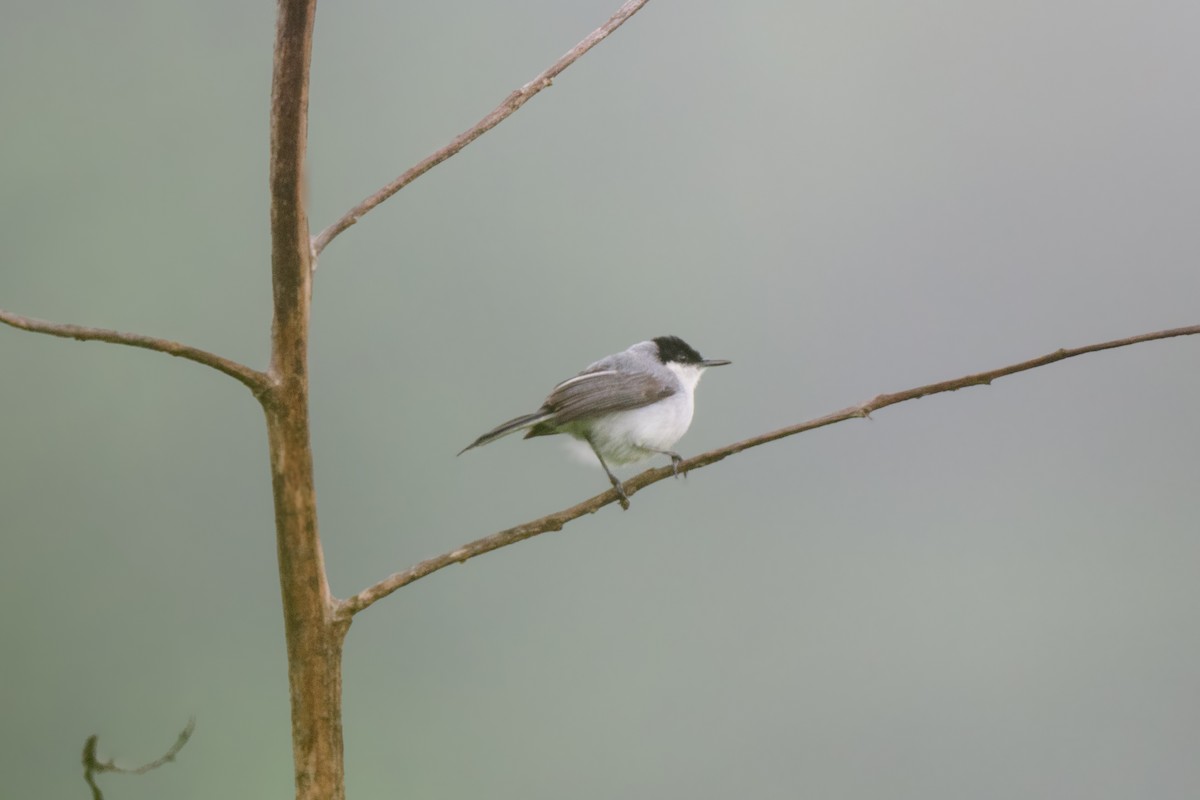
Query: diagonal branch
{"x": 254, "y": 380}
{"x": 497, "y": 115}
{"x": 556, "y": 521}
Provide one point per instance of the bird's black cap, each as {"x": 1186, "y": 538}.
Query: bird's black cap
{"x": 672, "y": 349}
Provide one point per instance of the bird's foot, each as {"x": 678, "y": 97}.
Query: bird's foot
{"x": 622, "y": 498}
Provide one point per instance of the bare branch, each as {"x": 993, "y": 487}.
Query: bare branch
{"x": 497, "y": 115}
{"x": 93, "y": 766}
{"x": 256, "y": 381}
{"x": 314, "y": 640}
{"x": 556, "y": 521}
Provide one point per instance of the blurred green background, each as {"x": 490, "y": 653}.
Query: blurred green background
{"x": 989, "y": 594}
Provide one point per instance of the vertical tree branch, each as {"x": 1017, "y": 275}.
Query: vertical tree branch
{"x": 314, "y": 637}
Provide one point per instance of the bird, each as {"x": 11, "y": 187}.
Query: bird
{"x": 627, "y": 407}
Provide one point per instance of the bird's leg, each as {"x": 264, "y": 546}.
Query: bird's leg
{"x": 675, "y": 460}
{"x": 622, "y": 498}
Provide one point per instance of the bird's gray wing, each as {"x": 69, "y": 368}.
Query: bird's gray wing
{"x": 601, "y": 389}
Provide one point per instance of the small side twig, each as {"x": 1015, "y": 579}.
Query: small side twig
{"x": 497, "y": 115}
{"x": 93, "y": 766}
{"x": 555, "y": 522}
{"x": 255, "y": 381}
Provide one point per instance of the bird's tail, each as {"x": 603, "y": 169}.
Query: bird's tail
{"x": 513, "y": 425}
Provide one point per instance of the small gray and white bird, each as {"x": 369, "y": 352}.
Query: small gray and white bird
{"x": 628, "y": 406}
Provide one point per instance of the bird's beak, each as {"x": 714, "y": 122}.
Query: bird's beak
{"x": 714, "y": 362}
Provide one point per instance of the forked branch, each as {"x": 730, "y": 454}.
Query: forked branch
{"x": 93, "y": 766}
{"x": 556, "y": 521}
{"x": 254, "y": 380}
{"x": 497, "y": 115}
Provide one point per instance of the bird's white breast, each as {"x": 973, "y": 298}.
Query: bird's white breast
{"x": 629, "y": 436}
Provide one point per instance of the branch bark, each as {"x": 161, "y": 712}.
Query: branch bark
{"x": 314, "y": 636}
{"x": 254, "y": 380}
{"x": 497, "y": 115}
{"x": 555, "y": 522}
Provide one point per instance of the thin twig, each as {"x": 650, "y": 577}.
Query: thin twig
{"x": 556, "y": 521}
{"x": 256, "y": 381}
{"x": 93, "y": 766}
{"x": 497, "y": 115}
